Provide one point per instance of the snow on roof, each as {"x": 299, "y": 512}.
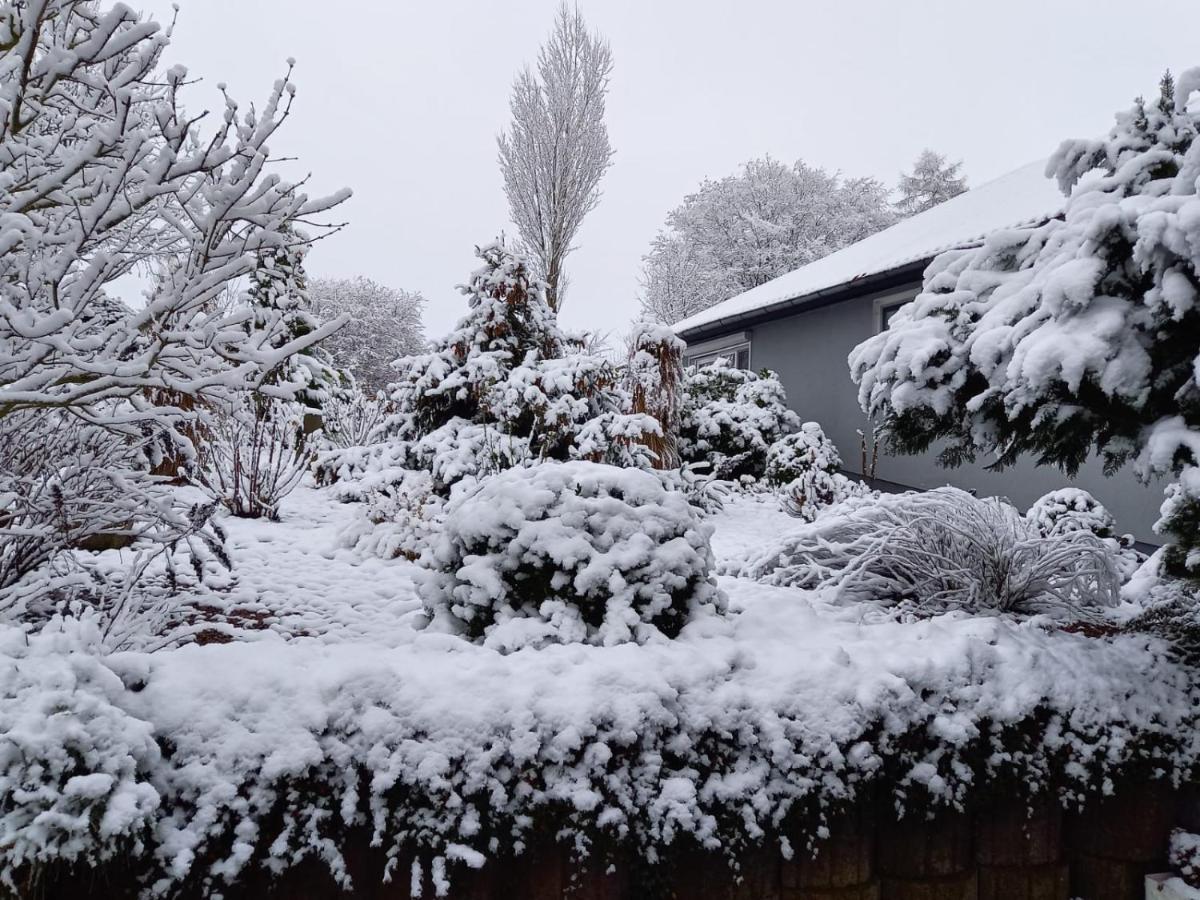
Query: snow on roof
{"x": 1021, "y": 197}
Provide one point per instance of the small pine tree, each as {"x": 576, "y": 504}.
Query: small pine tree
{"x": 278, "y": 296}
{"x": 933, "y": 180}
{"x": 508, "y": 384}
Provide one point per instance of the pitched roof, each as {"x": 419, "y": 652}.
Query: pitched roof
{"x": 1022, "y": 197}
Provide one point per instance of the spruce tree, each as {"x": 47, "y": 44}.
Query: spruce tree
{"x": 1079, "y": 336}
{"x": 933, "y": 180}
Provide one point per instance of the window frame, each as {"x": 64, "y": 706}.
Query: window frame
{"x": 730, "y": 346}
{"x": 885, "y": 307}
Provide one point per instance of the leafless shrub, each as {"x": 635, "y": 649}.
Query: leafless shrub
{"x": 348, "y": 420}
{"x": 254, "y": 455}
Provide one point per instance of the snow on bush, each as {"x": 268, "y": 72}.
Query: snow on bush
{"x": 731, "y": 418}
{"x": 1072, "y": 337}
{"x": 1070, "y": 509}
{"x": 804, "y": 467}
{"x": 944, "y": 549}
{"x": 505, "y": 386}
{"x": 1185, "y": 856}
{"x": 349, "y": 418}
{"x": 654, "y": 377}
{"x": 74, "y": 764}
{"x": 805, "y": 450}
{"x": 817, "y": 490}
{"x": 253, "y": 454}
{"x": 402, "y": 515}
{"x": 565, "y": 553}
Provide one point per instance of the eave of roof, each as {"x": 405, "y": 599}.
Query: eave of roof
{"x": 1020, "y": 198}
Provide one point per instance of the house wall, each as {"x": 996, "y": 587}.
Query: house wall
{"x": 808, "y": 349}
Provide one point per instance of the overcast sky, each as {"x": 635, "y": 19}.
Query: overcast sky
{"x": 401, "y": 101}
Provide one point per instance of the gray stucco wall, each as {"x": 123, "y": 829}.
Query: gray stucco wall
{"x": 809, "y": 349}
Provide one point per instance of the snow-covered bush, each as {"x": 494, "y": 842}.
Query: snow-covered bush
{"x": 68, "y": 486}
{"x": 1072, "y": 337}
{"x": 350, "y": 417}
{"x": 731, "y": 418}
{"x": 74, "y": 766}
{"x": 1171, "y": 610}
{"x": 1071, "y": 509}
{"x": 1185, "y": 856}
{"x": 506, "y": 386}
{"x": 794, "y": 455}
{"x": 400, "y": 517}
{"x": 253, "y": 454}
{"x": 944, "y": 549}
{"x": 569, "y": 552}
{"x": 818, "y": 489}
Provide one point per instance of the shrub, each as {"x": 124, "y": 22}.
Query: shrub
{"x": 941, "y": 550}
{"x": 1071, "y": 509}
{"x": 349, "y": 417}
{"x": 731, "y": 417}
{"x": 817, "y": 490}
{"x": 253, "y": 454}
{"x": 795, "y": 455}
{"x": 400, "y": 517}
{"x": 73, "y": 765}
{"x": 568, "y": 552}
{"x": 1185, "y": 855}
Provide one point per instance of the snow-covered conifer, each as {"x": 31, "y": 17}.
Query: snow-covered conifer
{"x": 508, "y": 385}
{"x": 1073, "y": 337}
{"x": 932, "y": 180}
{"x": 654, "y": 378}
{"x": 731, "y": 418}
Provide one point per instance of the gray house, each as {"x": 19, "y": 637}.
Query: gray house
{"x": 805, "y": 323}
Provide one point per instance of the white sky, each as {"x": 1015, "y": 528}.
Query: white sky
{"x": 402, "y": 101}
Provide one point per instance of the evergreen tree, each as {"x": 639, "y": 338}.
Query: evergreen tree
{"x": 278, "y": 296}
{"x": 1078, "y": 336}
{"x": 933, "y": 180}
{"x": 508, "y": 386}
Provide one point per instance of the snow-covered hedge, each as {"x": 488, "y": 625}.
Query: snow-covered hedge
{"x": 731, "y": 417}
{"x": 944, "y": 549}
{"x": 74, "y": 764}
{"x": 453, "y": 752}
{"x": 569, "y": 552}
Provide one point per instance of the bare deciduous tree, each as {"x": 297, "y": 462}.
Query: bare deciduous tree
{"x": 556, "y": 149}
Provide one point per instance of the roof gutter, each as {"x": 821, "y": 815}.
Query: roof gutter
{"x": 877, "y": 281}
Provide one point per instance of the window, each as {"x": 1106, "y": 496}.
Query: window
{"x": 887, "y": 306}
{"x": 737, "y": 356}
{"x": 885, "y": 315}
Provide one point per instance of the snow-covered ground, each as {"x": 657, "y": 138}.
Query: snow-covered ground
{"x": 789, "y": 699}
